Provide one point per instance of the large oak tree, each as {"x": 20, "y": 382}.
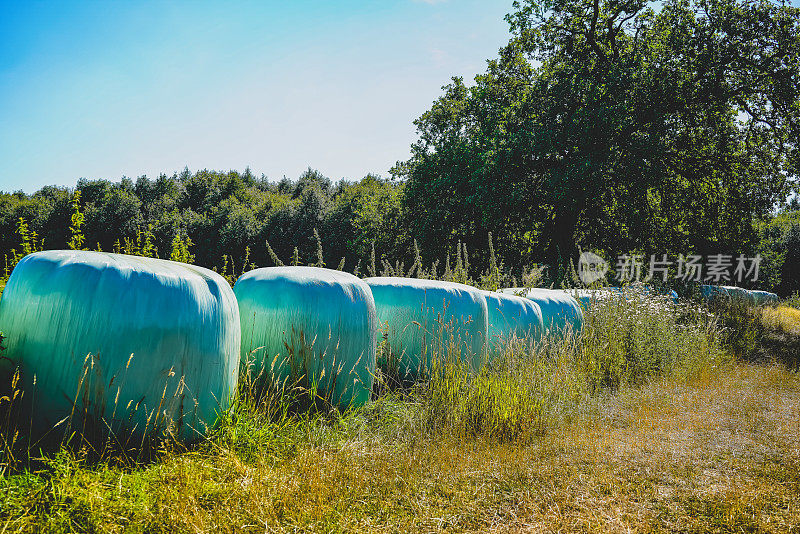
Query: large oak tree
{"x": 615, "y": 124}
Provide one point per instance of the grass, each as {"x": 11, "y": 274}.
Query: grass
{"x": 782, "y": 318}
{"x": 716, "y": 453}
{"x": 643, "y": 422}
{"x": 761, "y": 334}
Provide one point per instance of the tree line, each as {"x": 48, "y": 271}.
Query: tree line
{"x": 224, "y": 216}
{"x": 223, "y": 220}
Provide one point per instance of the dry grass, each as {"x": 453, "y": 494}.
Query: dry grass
{"x": 720, "y": 453}
{"x": 783, "y": 318}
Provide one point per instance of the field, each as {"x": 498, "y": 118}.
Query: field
{"x": 646, "y": 422}
{"x": 719, "y": 453}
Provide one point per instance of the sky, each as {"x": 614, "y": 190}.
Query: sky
{"x": 111, "y": 89}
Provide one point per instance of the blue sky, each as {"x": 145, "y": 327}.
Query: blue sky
{"x": 112, "y": 89}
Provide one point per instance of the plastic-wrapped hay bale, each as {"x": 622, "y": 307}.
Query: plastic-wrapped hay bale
{"x": 710, "y": 292}
{"x": 312, "y": 324}
{"x": 425, "y": 317}
{"x": 590, "y": 297}
{"x": 560, "y": 311}
{"x": 764, "y": 297}
{"x": 512, "y": 316}
{"x": 163, "y": 339}
{"x": 739, "y": 293}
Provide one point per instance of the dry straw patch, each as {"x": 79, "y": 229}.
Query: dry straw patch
{"x": 784, "y": 318}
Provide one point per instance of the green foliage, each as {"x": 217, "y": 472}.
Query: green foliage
{"x": 228, "y": 269}
{"x": 779, "y": 246}
{"x": 320, "y": 261}
{"x": 76, "y": 239}
{"x": 616, "y": 126}
{"x": 220, "y": 213}
{"x": 371, "y": 268}
{"x": 180, "y": 249}
{"x": 142, "y": 245}
{"x": 28, "y": 240}
{"x": 274, "y": 257}
{"x": 364, "y": 222}
{"x": 630, "y": 338}
{"x": 29, "y": 243}
{"x": 743, "y": 328}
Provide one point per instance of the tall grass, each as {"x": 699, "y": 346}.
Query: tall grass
{"x": 626, "y": 340}
{"x": 128, "y": 432}
{"x": 282, "y": 458}
{"x": 768, "y": 333}
{"x": 525, "y": 390}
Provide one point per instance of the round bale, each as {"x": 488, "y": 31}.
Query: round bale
{"x": 312, "y": 326}
{"x": 560, "y": 311}
{"x": 425, "y": 319}
{"x": 512, "y": 316}
{"x": 140, "y": 344}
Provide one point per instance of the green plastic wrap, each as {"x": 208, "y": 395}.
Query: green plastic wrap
{"x": 726, "y": 292}
{"x": 510, "y": 315}
{"x": 311, "y": 323}
{"x": 764, "y": 297}
{"x": 588, "y": 298}
{"x": 163, "y": 339}
{"x": 425, "y": 317}
{"x": 560, "y": 311}
{"x": 755, "y": 297}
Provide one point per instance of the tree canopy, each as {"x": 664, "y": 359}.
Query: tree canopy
{"x": 222, "y": 215}
{"x": 615, "y": 125}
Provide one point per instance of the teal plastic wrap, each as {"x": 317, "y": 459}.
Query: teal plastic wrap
{"x": 710, "y": 292}
{"x": 310, "y": 322}
{"x": 425, "y": 317}
{"x": 764, "y": 297}
{"x": 588, "y": 298}
{"x": 560, "y": 311}
{"x": 749, "y": 296}
{"x": 509, "y": 316}
{"x": 163, "y": 339}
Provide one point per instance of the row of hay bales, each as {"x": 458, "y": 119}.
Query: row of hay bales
{"x": 145, "y": 344}
{"x": 740, "y": 294}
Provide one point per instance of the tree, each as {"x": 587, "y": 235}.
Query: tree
{"x": 779, "y": 247}
{"x": 609, "y": 124}
{"x": 363, "y": 213}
